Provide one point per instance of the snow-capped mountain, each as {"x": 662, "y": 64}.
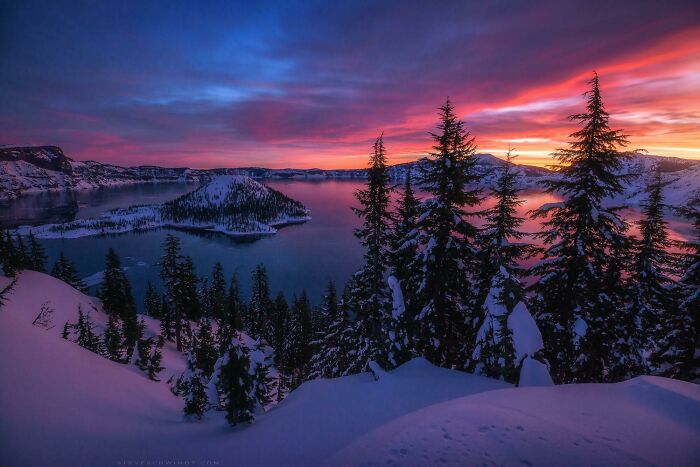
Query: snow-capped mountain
{"x": 47, "y": 168}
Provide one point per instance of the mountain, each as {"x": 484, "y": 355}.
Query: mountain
{"x": 233, "y": 205}
{"x": 64, "y": 406}
{"x": 46, "y": 168}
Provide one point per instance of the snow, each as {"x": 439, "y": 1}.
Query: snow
{"x": 534, "y": 373}
{"x": 527, "y": 339}
{"x": 64, "y": 406}
{"x": 645, "y": 421}
{"x": 398, "y": 307}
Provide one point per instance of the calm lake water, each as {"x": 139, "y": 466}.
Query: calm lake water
{"x": 304, "y": 256}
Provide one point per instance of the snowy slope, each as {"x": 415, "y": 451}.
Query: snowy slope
{"x": 64, "y": 406}
{"x": 645, "y": 421}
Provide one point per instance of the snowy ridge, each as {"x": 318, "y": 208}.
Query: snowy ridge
{"x": 233, "y": 205}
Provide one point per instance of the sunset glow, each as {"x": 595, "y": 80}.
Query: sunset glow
{"x": 158, "y": 86}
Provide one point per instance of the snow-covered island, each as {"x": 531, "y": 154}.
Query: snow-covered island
{"x": 233, "y": 205}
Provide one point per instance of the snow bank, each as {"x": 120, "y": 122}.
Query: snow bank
{"x": 645, "y": 421}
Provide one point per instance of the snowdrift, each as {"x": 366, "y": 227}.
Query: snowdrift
{"x": 64, "y": 406}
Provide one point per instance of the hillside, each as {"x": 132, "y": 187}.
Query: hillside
{"x": 233, "y": 205}
{"x": 64, "y": 406}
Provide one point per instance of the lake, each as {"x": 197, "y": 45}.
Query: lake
{"x": 304, "y": 256}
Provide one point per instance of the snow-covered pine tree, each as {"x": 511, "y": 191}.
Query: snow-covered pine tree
{"x": 404, "y": 250}
{"x": 333, "y": 341}
{"x": 256, "y": 320}
{"x": 575, "y": 299}
{"x": 151, "y": 303}
{"x": 66, "y": 271}
{"x": 37, "y": 255}
{"x": 371, "y": 296}
{"x": 501, "y": 253}
{"x": 651, "y": 289}
{"x": 236, "y": 385}
{"x": 194, "y": 390}
{"x": 446, "y": 244}
{"x": 279, "y": 329}
{"x": 677, "y": 352}
{"x": 204, "y": 349}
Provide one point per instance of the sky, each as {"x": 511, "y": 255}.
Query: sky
{"x": 311, "y": 84}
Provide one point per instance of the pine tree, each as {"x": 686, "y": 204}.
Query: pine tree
{"x": 677, "y": 353}
{"x": 151, "y": 303}
{"x": 9, "y": 255}
{"x": 236, "y": 385}
{"x": 87, "y": 338}
{"x": 231, "y": 321}
{"x": 66, "y": 271}
{"x": 23, "y": 260}
{"x": 279, "y": 324}
{"x": 575, "y": 297}
{"x": 334, "y": 338}
{"x": 143, "y": 352}
{"x": 256, "y": 322}
{"x": 217, "y": 292}
{"x": 500, "y": 287}
{"x": 204, "y": 349}
{"x": 167, "y": 326}
{"x": 154, "y": 363}
{"x": 169, "y": 273}
{"x": 301, "y": 336}
{"x": 446, "y": 245}
{"x": 371, "y": 295}
{"x": 651, "y": 288}
{"x": 66, "y": 331}
{"x": 37, "y": 255}
{"x": 404, "y": 250}
{"x": 186, "y": 296}
{"x": 196, "y": 400}
{"x": 115, "y": 292}
{"x": 112, "y": 339}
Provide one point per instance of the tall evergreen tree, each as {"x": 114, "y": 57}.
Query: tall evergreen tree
{"x": 371, "y": 297}
{"x": 257, "y": 319}
{"x": 446, "y": 244}
{"x": 8, "y": 254}
{"x": 335, "y": 341}
{"x": 677, "y": 350}
{"x": 87, "y": 338}
{"x": 237, "y": 385}
{"x": 154, "y": 364}
{"x": 66, "y": 271}
{"x": 500, "y": 286}
{"x": 37, "y": 255}
{"x": 301, "y": 336}
{"x": 279, "y": 329}
{"x": 575, "y": 297}
{"x": 112, "y": 339}
{"x": 151, "y": 303}
{"x": 651, "y": 288}
{"x": 231, "y": 321}
{"x": 170, "y": 275}
{"x": 22, "y": 258}
{"x": 217, "y": 292}
{"x": 404, "y": 250}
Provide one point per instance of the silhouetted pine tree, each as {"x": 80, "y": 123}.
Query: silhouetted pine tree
{"x": 371, "y": 297}
{"x": 204, "y": 348}
{"x": 217, "y": 292}
{"x": 66, "y": 271}
{"x": 22, "y": 257}
{"x": 37, "y": 255}
{"x": 169, "y": 273}
{"x": 167, "y": 320}
{"x": 446, "y": 245}
{"x": 143, "y": 353}
{"x": 677, "y": 352}
{"x": 87, "y": 338}
{"x": 575, "y": 299}
{"x": 154, "y": 363}
{"x": 151, "y": 303}
{"x": 300, "y": 338}
{"x": 231, "y": 320}
{"x": 502, "y": 251}
{"x": 8, "y": 255}
{"x": 334, "y": 339}
{"x": 279, "y": 326}
{"x": 256, "y": 320}
{"x": 112, "y": 339}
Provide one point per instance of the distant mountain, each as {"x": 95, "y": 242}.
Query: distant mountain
{"x": 46, "y": 168}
